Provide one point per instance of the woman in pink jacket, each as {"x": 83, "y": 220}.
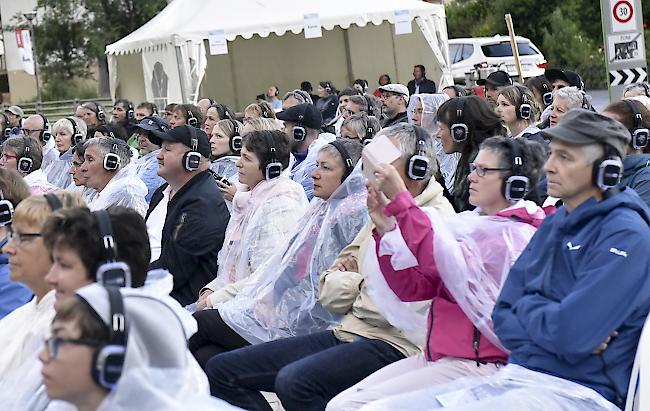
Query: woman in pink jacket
{"x": 458, "y": 263}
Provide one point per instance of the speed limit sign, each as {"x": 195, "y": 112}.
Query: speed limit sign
{"x": 623, "y": 16}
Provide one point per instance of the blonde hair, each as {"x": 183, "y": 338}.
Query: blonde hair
{"x": 261, "y": 109}
{"x": 35, "y": 210}
{"x": 261, "y": 123}
{"x": 514, "y": 95}
{"x": 228, "y": 127}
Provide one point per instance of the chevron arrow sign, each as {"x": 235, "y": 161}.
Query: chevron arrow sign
{"x": 627, "y": 76}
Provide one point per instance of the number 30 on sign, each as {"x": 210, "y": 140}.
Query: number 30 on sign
{"x": 623, "y": 15}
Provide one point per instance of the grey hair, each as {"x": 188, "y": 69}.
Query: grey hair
{"x": 406, "y": 138}
{"x": 105, "y": 145}
{"x": 300, "y": 95}
{"x": 593, "y": 152}
{"x": 572, "y": 95}
{"x": 262, "y": 123}
{"x": 353, "y": 147}
{"x": 65, "y": 124}
{"x": 357, "y": 122}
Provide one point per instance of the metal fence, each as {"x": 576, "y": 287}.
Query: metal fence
{"x": 55, "y": 110}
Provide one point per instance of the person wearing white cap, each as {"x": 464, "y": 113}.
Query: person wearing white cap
{"x": 122, "y": 349}
{"x": 394, "y": 99}
{"x": 15, "y": 115}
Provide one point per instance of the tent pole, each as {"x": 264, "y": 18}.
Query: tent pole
{"x": 348, "y": 55}
{"x": 181, "y": 72}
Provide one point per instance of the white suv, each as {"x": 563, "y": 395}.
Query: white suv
{"x": 495, "y": 51}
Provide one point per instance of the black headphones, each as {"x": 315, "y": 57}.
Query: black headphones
{"x": 112, "y": 160}
{"x": 607, "y": 171}
{"x": 108, "y": 361}
{"x": 273, "y": 168}
{"x": 299, "y": 133}
{"x": 585, "y": 103}
{"x": 224, "y": 113}
{"x": 154, "y": 109}
{"x": 371, "y": 107}
{"x": 277, "y": 90}
{"x": 265, "y": 112}
{"x": 45, "y": 134}
{"x": 112, "y": 272}
{"x": 517, "y": 185}
{"x": 547, "y": 95}
{"x": 6, "y": 211}
{"x": 99, "y": 110}
{"x": 459, "y": 130}
{"x": 53, "y": 201}
{"x": 25, "y": 162}
{"x": 77, "y": 137}
{"x": 525, "y": 110}
{"x": 370, "y": 132}
{"x": 418, "y": 163}
{"x": 6, "y": 126}
{"x": 639, "y": 133}
{"x": 646, "y": 89}
{"x": 347, "y": 160}
{"x": 236, "y": 141}
{"x": 130, "y": 113}
{"x": 328, "y": 87}
{"x": 192, "y": 159}
{"x": 191, "y": 120}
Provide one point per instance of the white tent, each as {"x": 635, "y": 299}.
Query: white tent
{"x": 265, "y": 46}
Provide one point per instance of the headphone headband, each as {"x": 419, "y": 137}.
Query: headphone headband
{"x": 53, "y": 201}
{"x": 273, "y": 167}
{"x": 112, "y": 272}
{"x": 517, "y": 185}
{"x": 347, "y": 160}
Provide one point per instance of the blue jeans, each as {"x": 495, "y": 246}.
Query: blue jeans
{"x": 305, "y": 372}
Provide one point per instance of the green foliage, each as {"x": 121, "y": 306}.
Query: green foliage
{"x": 569, "y": 33}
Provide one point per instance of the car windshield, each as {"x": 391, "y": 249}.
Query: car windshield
{"x": 505, "y": 50}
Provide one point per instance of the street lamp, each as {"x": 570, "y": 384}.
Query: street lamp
{"x": 30, "y": 16}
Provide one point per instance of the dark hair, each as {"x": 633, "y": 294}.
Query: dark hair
{"x": 422, "y": 68}
{"x": 79, "y": 149}
{"x": 257, "y": 142}
{"x": 91, "y": 326}
{"x": 536, "y": 83}
{"x": 326, "y": 83}
{"x": 460, "y": 91}
{"x": 363, "y": 83}
{"x": 306, "y": 86}
{"x": 387, "y": 78}
{"x": 171, "y": 107}
{"x": 151, "y": 107}
{"x": 623, "y": 111}
{"x": 349, "y": 91}
{"x": 113, "y": 130}
{"x": 185, "y": 110}
{"x": 224, "y": 111}
{"x": 19, "y": 146}
{"x": 534, "y": 156}
{"x": 354, "y": 148}
{"x": 76, "y": 228}
{"x": 14, "y": 189}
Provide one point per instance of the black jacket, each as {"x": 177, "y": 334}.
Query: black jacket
{"x": 192, "y": 236}
{"x": 426, "y": 86}
{"x": 399, "y": 118}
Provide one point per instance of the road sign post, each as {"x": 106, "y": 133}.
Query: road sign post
{"x": 624, "y": 45}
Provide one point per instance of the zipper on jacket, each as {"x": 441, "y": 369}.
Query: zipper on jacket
{"x": 180, "y": 224}
{"x": 429, "y": 333}
{"x": 476, "y": 343}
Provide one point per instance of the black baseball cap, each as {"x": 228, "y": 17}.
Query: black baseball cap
{"x": 306, "y": 115}
{"x": 569, "y": 76}
{"x": 153, "y": 123}
{"x": 184, "y": 134}
{"x": 582, "y": 127}
{"x": 498, "y": 78}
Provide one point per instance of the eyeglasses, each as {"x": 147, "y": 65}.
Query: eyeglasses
{"x": 54, "y": 343}
{"x": 482, "y": 171}
{"x": 385, "y": 96}
{"x": 27, "y": 131}
{"x": 20, "y": 238}
{"x": 6, "y": 157}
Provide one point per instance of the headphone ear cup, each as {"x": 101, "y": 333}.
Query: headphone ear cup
{"x": 459, "y": 132}
{"x": 192, "y": 121}
{"x": 108, "y": 364}
{"x": 191, "y": 161}
{"x": 25, "y": 164}
{"x": 46, "y": 135}
{"x": 236, "y": 143}
{"x": 111, "y": 162}
{"x": 607, "y": 172}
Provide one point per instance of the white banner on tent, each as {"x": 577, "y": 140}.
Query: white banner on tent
{"x": 161, "y": 77}
{"x": 195, "y": 61}
{"x": 312, "y": 26}
{"x": 24, "y": 42}
{"x": 217, "y": 41}
{"x": 403, "y": 22}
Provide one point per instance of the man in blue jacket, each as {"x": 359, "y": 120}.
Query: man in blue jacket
{"x": 573, "y": 305}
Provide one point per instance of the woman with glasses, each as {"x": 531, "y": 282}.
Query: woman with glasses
{"x": 458, "y": 262}
{"x": 23, "y": 331}
{"x": 464, "y": 122}
{"x": 360, "y": 127}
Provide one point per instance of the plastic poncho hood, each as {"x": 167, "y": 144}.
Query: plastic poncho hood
{"x": 125, "y": 189}
{"x": 157, "y": 372}
{"x": 281, "y": 297}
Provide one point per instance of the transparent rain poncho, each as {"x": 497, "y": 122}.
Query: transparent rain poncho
{"x": 260, "y": 223}
{"x": 125, "y": 189}
{"x": 280, "y": 299}
{"x": 512, "y": 388}
{"x": 58, "y": 171}
{"x": 473, "y": 255}
{"x": 301, "y": 173}
{"x": 147, "y": 170}
{"x": 225, "y": 167}
{"x": 157, "y": 372}
{"x": 430, "y": 104}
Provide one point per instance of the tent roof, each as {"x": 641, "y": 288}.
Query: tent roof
{"x": 192, "y": 19}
